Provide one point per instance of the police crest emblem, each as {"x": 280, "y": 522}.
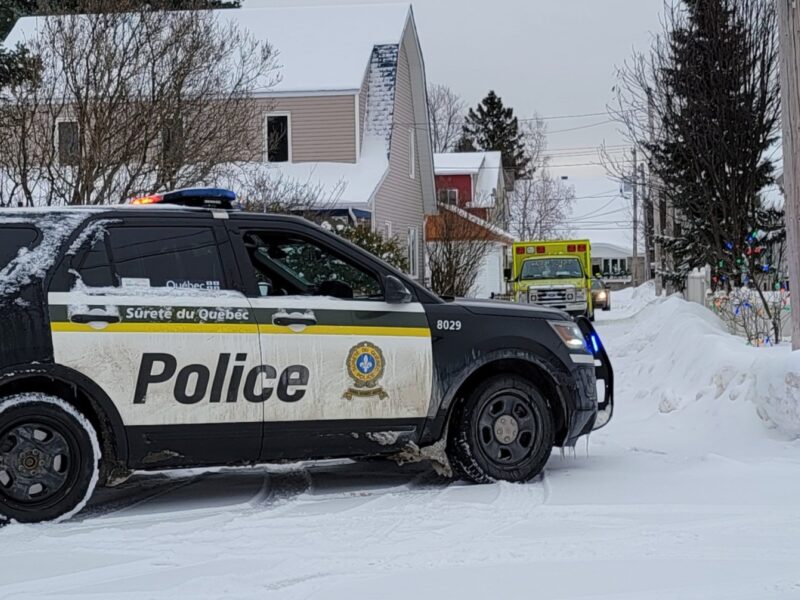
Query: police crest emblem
{"x": 365, "y": 366}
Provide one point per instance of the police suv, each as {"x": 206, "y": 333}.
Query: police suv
{"x": 181, "y": 333}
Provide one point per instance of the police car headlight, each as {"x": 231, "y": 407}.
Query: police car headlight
{"x": 602, "y": 296}
{"x": 570, "y": 334}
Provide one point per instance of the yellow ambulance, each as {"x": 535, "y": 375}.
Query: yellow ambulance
{"x": 556, "y": 274}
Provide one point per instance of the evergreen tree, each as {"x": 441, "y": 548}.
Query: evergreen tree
{"x": 493, "y": 127}
{"x": 718, "y": 102}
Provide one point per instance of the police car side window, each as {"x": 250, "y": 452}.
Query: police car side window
{"x": 288, "y": 265}
{"x": 12, "y": 240}
{"x": 95, "y": 265}
{"x": 173, "y": 257}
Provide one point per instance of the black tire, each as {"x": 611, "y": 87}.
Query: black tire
{"x": 475, "y": 448}
{"x": 49, "y": 459}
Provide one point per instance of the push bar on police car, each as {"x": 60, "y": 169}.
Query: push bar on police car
{"x": 602, "y": 370}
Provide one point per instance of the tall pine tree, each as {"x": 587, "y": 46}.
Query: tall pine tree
{"x": 717, "y": 96}
{"x": 493, "y": 127}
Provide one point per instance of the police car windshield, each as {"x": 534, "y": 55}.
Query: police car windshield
{"x": 552, "y": 268}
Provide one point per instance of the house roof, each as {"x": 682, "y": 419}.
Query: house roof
{"x": 479, "y": 229}
{"x": 601, "y": 250}
{"x": 321, "y": 48}
{"x": 486, "y": 167}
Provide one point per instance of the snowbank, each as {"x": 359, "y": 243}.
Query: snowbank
{"x": 682, "y": 357}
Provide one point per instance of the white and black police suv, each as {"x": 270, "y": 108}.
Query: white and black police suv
{"x": 147, "y": 338}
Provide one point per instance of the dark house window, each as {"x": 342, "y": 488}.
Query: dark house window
{"x": 278, "y": 140}
{"x": 448, "y": 196}
{"x": 172, "y": 144}
{"x": 67, "y": 139}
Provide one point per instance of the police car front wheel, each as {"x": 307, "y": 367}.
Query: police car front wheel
{"x": 49, "y": 458}
{"x": 503, "y": 431}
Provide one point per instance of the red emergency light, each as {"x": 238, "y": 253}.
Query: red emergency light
{"x": 152, "y": 199}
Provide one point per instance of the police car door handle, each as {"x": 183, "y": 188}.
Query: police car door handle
{"x": 284, "y": 319}
{"x": 86, "y": 319}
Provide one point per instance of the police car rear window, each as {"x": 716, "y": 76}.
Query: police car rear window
{"x": 12, "y": 239}
{"x": 175, "y": 257}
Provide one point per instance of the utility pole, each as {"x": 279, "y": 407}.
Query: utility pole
{"x": 789, "y": 19}
{"x": 648, "y": 239}
{"x": 655, "y": 200}
{"x": 635, "y": 267}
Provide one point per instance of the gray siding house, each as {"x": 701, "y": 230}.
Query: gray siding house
{"x": 350, "y": 113}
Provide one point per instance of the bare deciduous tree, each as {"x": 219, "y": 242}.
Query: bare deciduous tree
{"x": 541, "y": 205}
{"x": 446, "y": 112}
{"x": 132, "y": 102}
{"x": 458, "y": 244}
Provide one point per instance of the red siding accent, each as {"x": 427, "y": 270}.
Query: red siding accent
{"x": 462, "y": 183}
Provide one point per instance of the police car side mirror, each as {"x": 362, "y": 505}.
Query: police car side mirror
{"x": 396, "y": 292}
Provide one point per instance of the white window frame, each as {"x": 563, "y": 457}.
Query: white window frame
{"x": 413, "y": 252}
{"x": 412, "y": 153}
{"x": 387, "y": 230}
{"x": 57, "y": 137}
{"x": 288, "y": 116}
{"x": 449, "y": 191}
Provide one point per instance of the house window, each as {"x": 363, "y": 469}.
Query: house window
{"x": 172, "y": 145}
{"x": 413, "y": 252}
{"x": 412, "y": 153}
{"x": 448, "y": 196}
{"x": 278, "y": 138}
{"x": 67, "y": 142}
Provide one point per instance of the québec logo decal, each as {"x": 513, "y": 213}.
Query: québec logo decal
{"x": 365, "y": 366}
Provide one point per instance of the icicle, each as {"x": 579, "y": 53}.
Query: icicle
{"x": 562, "y": 452}
{"x": 587, "y": 445}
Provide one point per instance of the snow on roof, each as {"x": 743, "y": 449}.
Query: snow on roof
{"x": 602, "y": 250}
{"x": 321, "y": 48}
{"x": 458, "y": 163}
{"x": 333, "y": 185}
{"x": 494, "y": 229}
{"x": 485, "y": 166}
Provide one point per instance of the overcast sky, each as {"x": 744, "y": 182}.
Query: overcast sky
{"x": 554, "y": 57}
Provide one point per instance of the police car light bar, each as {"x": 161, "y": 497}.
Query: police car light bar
{"x": 195, "y": 197}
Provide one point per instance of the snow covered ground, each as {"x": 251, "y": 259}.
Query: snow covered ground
{"x": 688, "y": 494}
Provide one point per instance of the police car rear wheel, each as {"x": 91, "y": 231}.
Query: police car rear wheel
{"x": 504, "y": 431}
{"x": 49, "y": 458}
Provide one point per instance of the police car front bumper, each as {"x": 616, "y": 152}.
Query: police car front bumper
{"x": 594, "y": 387}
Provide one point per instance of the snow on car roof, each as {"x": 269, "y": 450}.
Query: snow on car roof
{"x": 321, "y": 48}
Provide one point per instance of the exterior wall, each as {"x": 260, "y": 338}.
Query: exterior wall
{"x": 490, "y": 281}
{"x": 399, "y": 199}
{"x": 462, "y": 183}
{"x": 323, "y": 128}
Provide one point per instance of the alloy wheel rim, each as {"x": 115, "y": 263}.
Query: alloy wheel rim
{"x": 507, "y": 429}
{"x": 35, "y": 462}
